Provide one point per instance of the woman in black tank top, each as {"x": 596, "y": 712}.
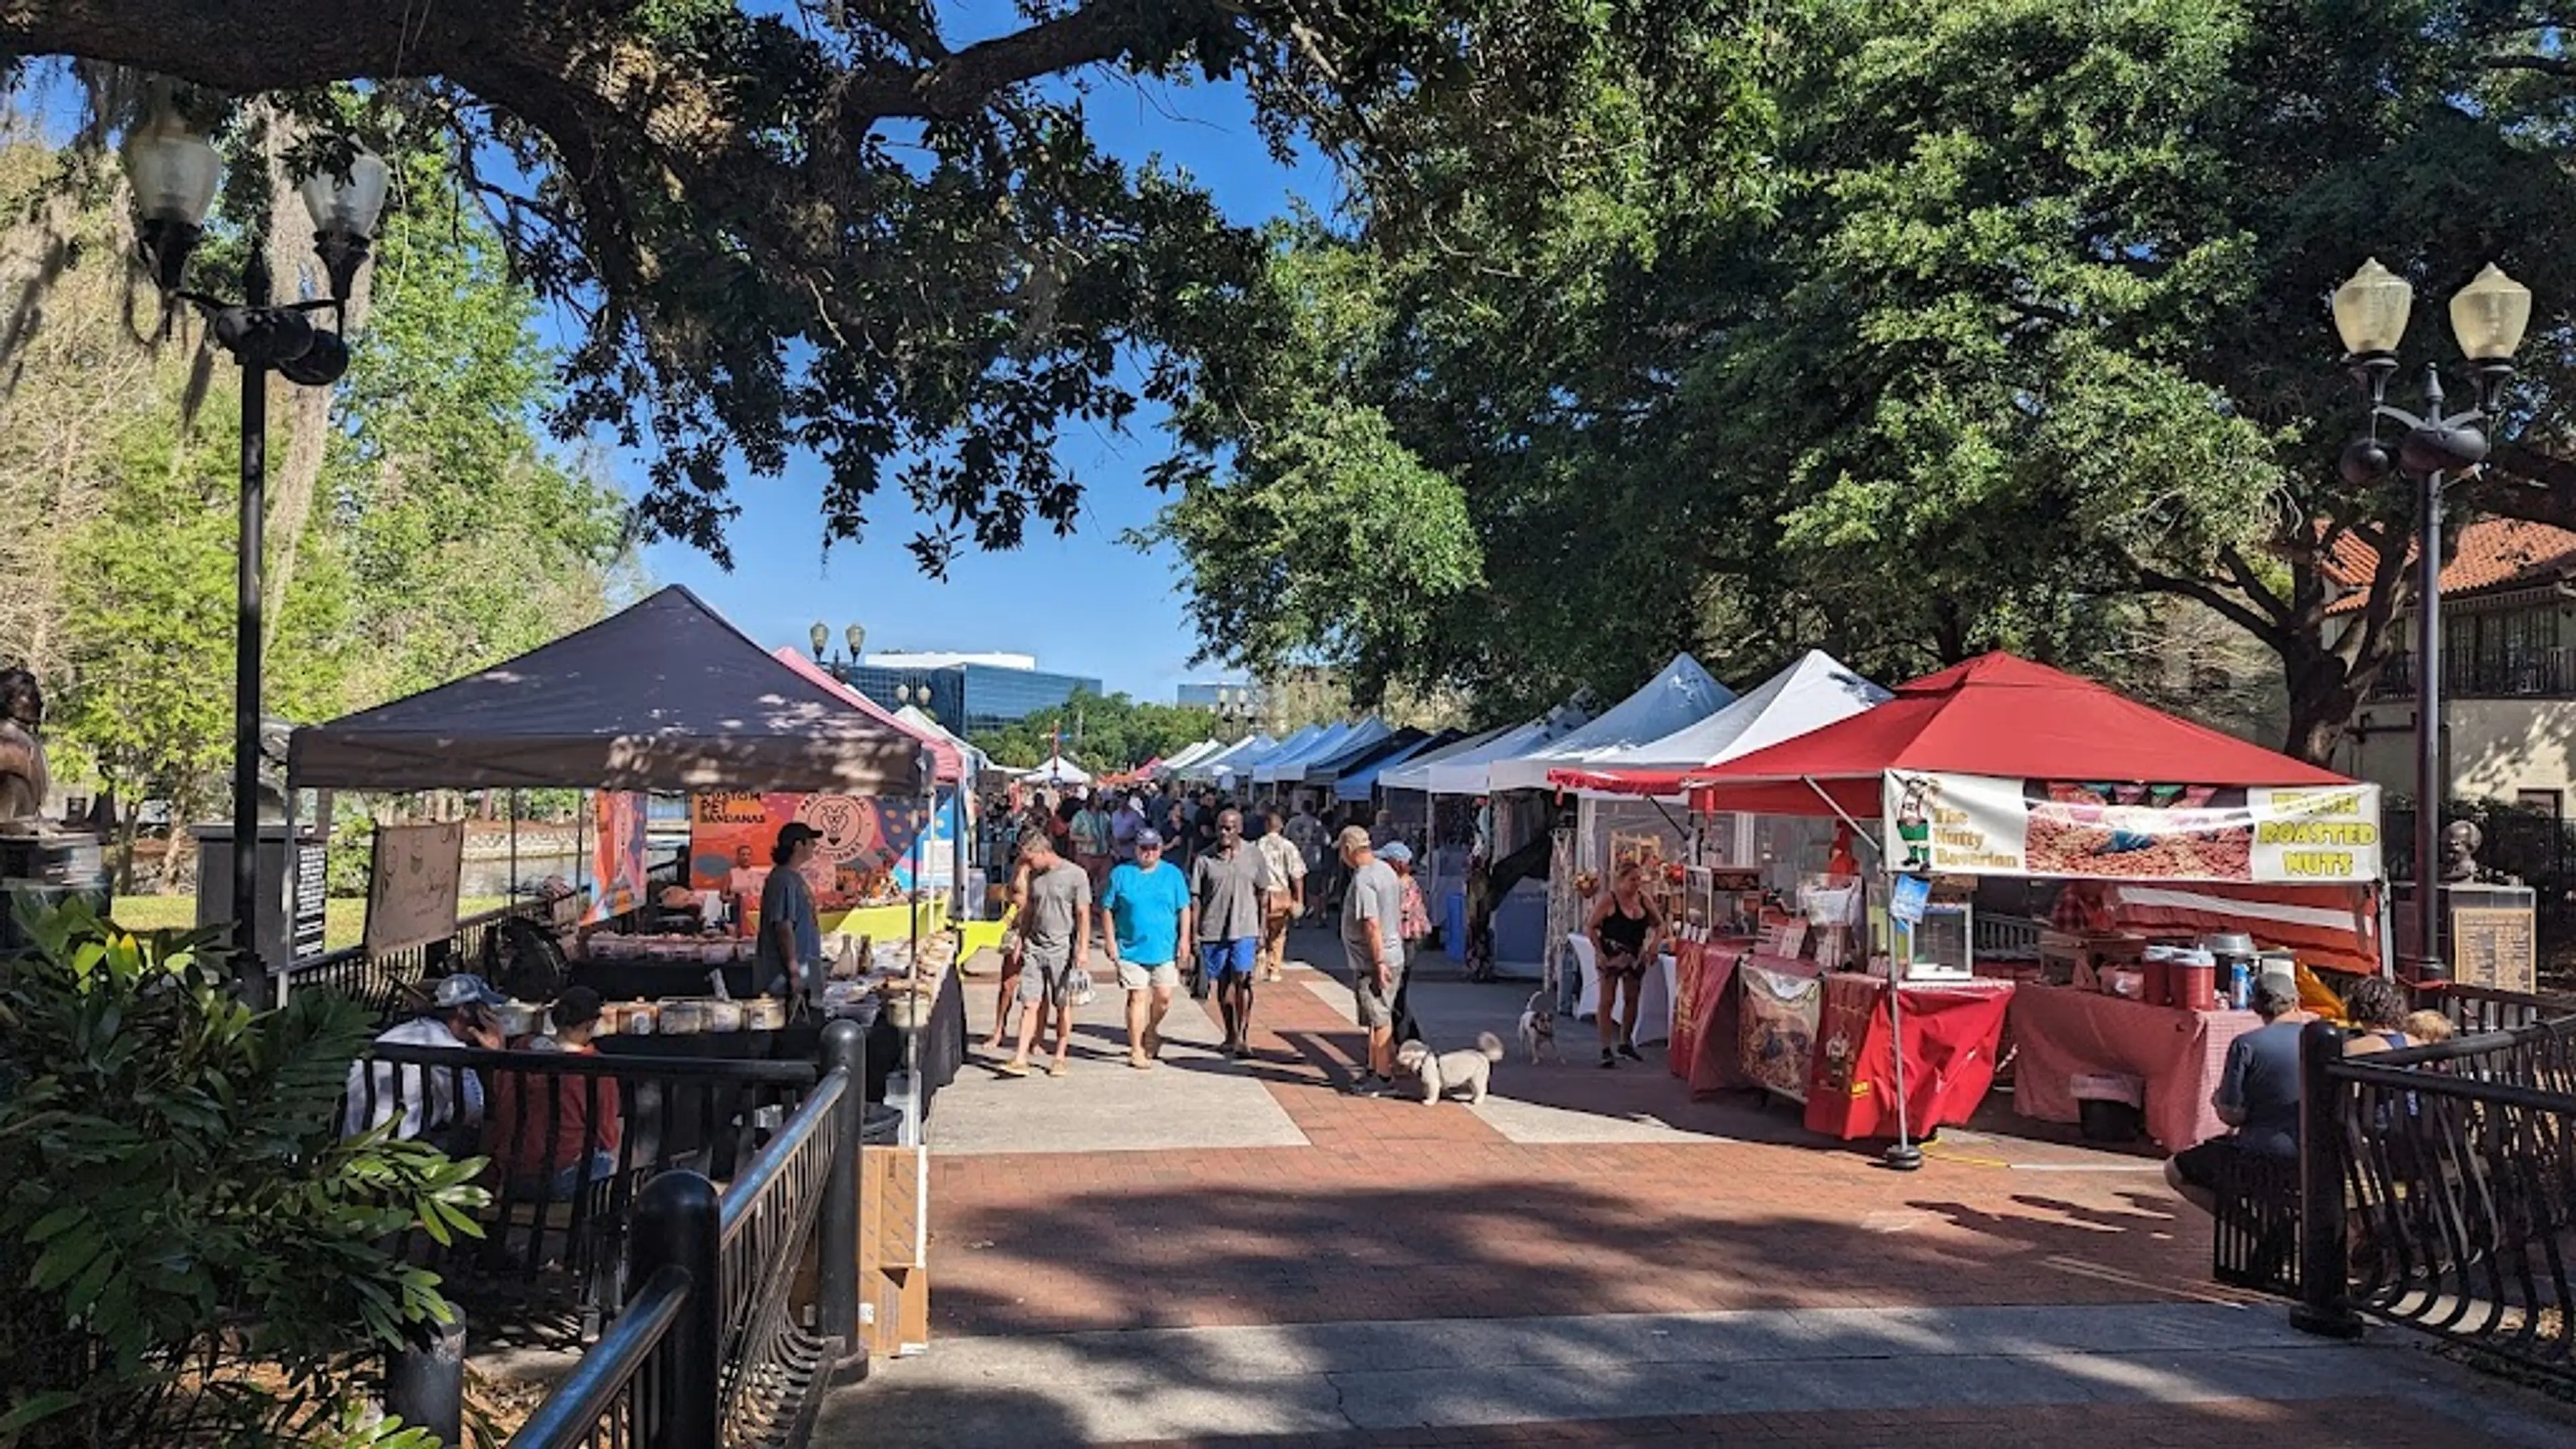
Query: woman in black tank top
{"x": 1625, "y": 930}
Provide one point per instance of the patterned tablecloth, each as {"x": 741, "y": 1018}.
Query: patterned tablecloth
{"x": 2060, "y": 1033}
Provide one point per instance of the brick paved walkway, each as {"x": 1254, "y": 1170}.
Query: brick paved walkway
{"x": 1085, "y": 1283}
{"x": 2358, "y": 1423}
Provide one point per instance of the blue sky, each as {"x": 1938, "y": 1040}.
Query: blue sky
{"x": 1085, "y": 605}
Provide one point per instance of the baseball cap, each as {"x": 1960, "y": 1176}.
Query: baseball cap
{"x": 1395, "y": 852}
{"x": 466, "y": 989}
{"x": 794, "y": 831}
{"x": 1149, "y": 839}
{"x": 1353, "y": 837}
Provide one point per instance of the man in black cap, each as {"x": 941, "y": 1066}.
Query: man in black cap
{"x": 790, "y": 953}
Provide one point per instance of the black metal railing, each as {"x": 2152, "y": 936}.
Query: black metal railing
{"x": 714, "y": 1347}
{"x": 2545, "y": 673}
{"x": 2438, "y": 1190}
{"x": 385, "y": 981}
{"x": 571, "y": 1139}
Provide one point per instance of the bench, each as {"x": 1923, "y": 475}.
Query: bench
{"x": 2254, "y": 1241}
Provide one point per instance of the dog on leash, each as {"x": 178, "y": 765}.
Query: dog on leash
{"x": 1538, "y": 1027}
{"x": 1439, "y": 1072}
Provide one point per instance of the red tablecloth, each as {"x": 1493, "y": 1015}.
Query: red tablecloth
{"x": 2060, "y": 1032}
{"x": 1951, "y": 1032}
{"x": 1703, "y": 1050}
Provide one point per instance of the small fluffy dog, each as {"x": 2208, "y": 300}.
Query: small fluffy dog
{"x": 1470, "y": 1071}
{"x": 1538, "y": 1027}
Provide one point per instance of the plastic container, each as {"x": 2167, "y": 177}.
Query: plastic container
{"x": 2195, "y": 985}
{"x": 2155, "y": 983}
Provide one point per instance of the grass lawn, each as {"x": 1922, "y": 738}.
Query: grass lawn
{"x": 343, "y": 921}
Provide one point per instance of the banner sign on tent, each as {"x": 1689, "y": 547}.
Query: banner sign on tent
{"x": 867, "y": 840}
{"x": 1985, "y": 825}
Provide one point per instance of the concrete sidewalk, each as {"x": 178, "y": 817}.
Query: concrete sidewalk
{"x": 1385, "y": 1382}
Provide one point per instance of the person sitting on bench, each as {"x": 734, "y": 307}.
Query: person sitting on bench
{"x": 2258, "y": 1096}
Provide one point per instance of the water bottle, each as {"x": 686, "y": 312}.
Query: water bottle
{"x": 2240, "y": 983}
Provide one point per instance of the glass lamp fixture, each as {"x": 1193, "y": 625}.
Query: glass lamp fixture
{"x": 174, "y": 172}
{"x": 345, "y": 206}
{"x": 2488, "y": 316}
{"x": 2370, "y": 310}
{"x": 854, "y": 636}
{"x": 821, "y": 635}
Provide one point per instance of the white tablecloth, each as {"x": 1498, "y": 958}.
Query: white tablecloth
{"x": 1654, "y": 994}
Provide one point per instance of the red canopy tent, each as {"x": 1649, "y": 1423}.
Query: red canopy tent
{"x": 948, "y": 763}
{"x": 1998, "y": 714}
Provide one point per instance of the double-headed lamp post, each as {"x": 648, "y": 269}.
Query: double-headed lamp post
{"x": 174, "y": 173}
{"x": 2487, "y": 320}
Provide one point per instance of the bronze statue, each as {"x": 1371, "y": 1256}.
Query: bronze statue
{"x": 2460, "y": 842}
{"x": 23, "y": 778}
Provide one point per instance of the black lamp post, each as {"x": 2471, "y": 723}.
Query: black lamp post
{"x": 820, "y": 636}
{"x": 2487, "y": 320}
{"x": 174, "y": 172}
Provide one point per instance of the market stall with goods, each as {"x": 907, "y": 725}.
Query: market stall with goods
{"x": 2197, "y": 859}
{"x": 1630, "y": 806}
{"x": 667, "y": 697}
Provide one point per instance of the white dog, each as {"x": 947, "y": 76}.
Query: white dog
{"x": 1469, "y": 1071}
{"x": 1538, "y": 1027}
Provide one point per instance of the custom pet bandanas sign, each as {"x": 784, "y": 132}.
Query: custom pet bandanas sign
{"x": 1986, "y": 825}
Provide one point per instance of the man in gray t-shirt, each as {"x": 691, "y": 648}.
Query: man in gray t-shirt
{"x": 1373, "y": 946}
{"x": 1225, "y": 890}
{"x": 1055, "y": 937}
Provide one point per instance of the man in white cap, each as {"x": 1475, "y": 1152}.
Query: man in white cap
{"x": 443, "y": 1105}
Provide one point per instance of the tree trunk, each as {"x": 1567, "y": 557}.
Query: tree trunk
{"x": 129, "y": 826}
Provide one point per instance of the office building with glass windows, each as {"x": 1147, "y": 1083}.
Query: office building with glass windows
{"x": 965, "y": 693}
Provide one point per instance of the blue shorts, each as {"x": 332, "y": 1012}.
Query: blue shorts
{"x": 1220, "y": 959}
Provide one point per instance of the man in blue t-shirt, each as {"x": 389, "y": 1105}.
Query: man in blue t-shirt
{"x": 1148, "y": 904}
{"x": 2258, "y": 1096}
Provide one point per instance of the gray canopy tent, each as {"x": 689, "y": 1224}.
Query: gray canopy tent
{"x": 664, "y": 695}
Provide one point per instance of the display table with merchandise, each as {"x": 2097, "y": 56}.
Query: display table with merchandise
{"x": 2060, "y": 1033}
{"x": 1952, "y": 1031}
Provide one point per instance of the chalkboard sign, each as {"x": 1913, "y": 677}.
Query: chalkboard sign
{"x": 311, "y": 896}
{"x": 2491, "y": 946}
{"x": 411, "y": 887}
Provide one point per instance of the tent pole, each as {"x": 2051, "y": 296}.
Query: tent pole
{"x": 1836, "y": 806}
{"x": 514, "y": 849}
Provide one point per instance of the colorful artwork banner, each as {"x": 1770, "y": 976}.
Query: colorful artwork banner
{"x": 616, "y": 855}
{"x": 864, "y": 854}
{"x": 2117, "y": 830}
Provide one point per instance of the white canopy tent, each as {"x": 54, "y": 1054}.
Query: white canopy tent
{"x": 1463, "y": 771}
{"x": 1057, "y": 771}
{"x": 1225, "y": 761}
{"x": 1183, "y": 759}
{"x": 1341, "y": 739}
{"x": 1681, "y": 694}
{"x": 1814, "y": 692}
{"x": 1241, "y": 766}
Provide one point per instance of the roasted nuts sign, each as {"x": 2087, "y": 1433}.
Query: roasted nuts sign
{"x": 2130, "y": 830}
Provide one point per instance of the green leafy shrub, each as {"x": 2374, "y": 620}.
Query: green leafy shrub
{"x": 189, "y": 1254}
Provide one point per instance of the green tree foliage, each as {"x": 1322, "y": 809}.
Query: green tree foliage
{"x": 448, "y": 534}
{"x": 1908, "y": 329}
{"x": 879, "y": 231}
{"x": 177, "y": 1205}
{"x": 1111, "y": 732}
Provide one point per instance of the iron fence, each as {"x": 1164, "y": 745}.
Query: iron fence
{"x": 716, "y": 1347}
{"x": 2536, "y": 847}
{"x": 571, "y": 1139}
{"x": 384, "y": 981}
{"x": 2438, "y": 1189}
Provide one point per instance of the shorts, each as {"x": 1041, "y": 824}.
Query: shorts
{"x": 2208, "y": 1165}
{"x": 1377, "y": 1009}
{"x": 1046, "y": 985}
{"x": 1134, "y": 977}
{"x": 1220, "y": 959}
{"x": 1616, "y": 965}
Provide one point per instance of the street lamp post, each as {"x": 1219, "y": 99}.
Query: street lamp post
{"x": 2487, "y": 320}
{"x": 174, "y": 172}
